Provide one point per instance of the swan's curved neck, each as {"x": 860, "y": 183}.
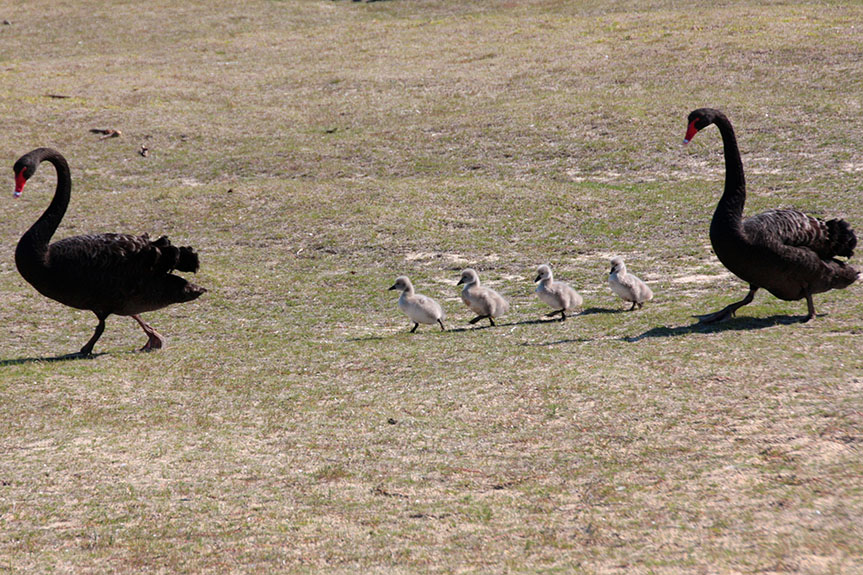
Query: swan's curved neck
{"x": 34, "y": 243}
{"x": 734, "y": 197}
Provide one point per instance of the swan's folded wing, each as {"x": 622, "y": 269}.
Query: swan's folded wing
{"x": 791, "y": 228}
{"x": 121, "y": 254}
{"x": 97, "y": 251}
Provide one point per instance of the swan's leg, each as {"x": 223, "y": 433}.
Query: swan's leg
{"x": 563, "y": 315}
{"x": 156, "y": 341}
{"x": 88, "y": 347}
{"x": 414, "y": 328}
{"x": 811, "y": 306}
{"x": 442, "y": 328}
{"x": 479, "y": 317}
{"x": 555, "y": 312}
{"x": 491, "y": 320}
{"x": 728, "y": 310}
{"x": 634, "y": 305}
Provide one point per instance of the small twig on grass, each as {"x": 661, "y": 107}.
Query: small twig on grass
{"x": 106, "y": 133}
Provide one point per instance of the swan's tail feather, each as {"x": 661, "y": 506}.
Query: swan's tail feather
{"x": 192, "y": 291}
{"x": 170, "y": 257}
{"x": 842, "y": 237}
{"x": 187, "y": 260}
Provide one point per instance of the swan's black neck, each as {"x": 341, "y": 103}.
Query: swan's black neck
{"x": 730, "y": 207}
{"x": 33, "y": 246}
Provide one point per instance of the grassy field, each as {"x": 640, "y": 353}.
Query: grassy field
{"x": 313, "y": 150}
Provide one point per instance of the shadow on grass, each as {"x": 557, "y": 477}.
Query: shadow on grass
{"x": 557, "y": 342}
{"x": 369, "y": 337}
{"x": 593, "y": 310}
{"x": 499, "y": 325}
{"x": 734, "y": 324}
{"x": 541, "y": 321}
{"x": 67, "y": 357}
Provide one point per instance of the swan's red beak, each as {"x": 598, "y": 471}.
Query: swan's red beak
{"x": 20, "y": 180}
{"x": 690, "y": 132}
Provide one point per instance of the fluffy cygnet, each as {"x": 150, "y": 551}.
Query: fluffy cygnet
{"x": 420, "y": 308}
{"x": 558, "y": 295}
{"x": 628, "y": 286}
{"x": 483, "y": 301}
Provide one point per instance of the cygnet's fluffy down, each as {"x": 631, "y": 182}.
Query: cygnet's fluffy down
{"x": 418, "y": 307}
{"x": 628, "y": 286}
{"x": 558, "y": 295}
{"x": 483, "y": 301}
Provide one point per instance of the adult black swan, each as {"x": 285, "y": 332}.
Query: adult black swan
{"x": 106, "y": 273}
{"x": 788, "y": 253}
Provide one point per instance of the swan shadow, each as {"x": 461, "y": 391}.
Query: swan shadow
{"x": 734, "y": 324}
{"x": 67, "y": 357}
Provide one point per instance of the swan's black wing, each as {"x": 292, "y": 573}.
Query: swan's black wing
{"x": 118, "y": 273}
{"x": 793, "y": 228}
{"x": 122, "y": 254}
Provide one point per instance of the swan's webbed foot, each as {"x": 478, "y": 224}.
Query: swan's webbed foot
{"x": 728, "y": 311}
{"x": 562, "y": 313}
{"x": 155, "y": 340}
{"x": 87, "y": 350}
{"x": 810, "y": 308}
{"x": 718, "y": 316}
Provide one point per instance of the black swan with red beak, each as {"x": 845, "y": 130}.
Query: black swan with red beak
{"x": 105, "y": 273}
{"x": 788, "y": 253}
